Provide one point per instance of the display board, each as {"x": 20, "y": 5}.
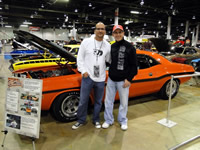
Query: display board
{"x": 23, "y": 106}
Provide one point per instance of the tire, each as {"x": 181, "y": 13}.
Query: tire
{"x": 165, "y": 90}
{"x": 65, "y": 106}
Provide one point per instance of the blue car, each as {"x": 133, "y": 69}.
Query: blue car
{"x": 22, "y": 52}
{"x": 196, "y": 64}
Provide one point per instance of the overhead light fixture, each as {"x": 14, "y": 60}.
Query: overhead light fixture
{"x": 0, "y": 8}
{"x": 145, "y": 24}
{"x": 142, "y": 2}
{"x": 24, "y": 25}
{"x": 66, "y": 19}
{"x": 127, "y": 22}
{"x": 76, "y": 10}
{"x": 42, "y": 6}
{"x": 100, "y": 13}
{"x": 193, "y": 17}
{"x": 182, "y": 24}
{"x": 146, "y": 12}
{"x": 134, "y": 12}
{"x": 159, "y": 22}
{"x": 8, "y": 26}
{"x": 26, "y": 22}
{"x": 47, "y": 22}
{"x": 90, "y": 5}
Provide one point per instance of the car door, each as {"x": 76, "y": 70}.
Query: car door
{"x": 147, "y": 79}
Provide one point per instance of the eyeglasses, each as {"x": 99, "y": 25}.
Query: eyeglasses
{"x": 100, "y": 28}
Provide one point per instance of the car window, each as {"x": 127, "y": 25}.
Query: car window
{"x": 190, "y": 51}
{"x": 145, "y": 61}
{"x": 179, "y": 50}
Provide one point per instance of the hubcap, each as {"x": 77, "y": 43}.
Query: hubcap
{"x": 69, "y": 106}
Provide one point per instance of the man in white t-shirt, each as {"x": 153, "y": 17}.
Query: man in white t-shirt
{"x": 93, "y": 54}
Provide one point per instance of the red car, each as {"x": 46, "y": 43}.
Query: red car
{"x": 61, "y": 83}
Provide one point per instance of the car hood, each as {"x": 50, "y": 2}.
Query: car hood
{"x": 44, "y": 44}
{"x": 160, "y": 44}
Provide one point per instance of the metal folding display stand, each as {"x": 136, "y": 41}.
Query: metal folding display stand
{"x": 168, "y": 123}
{"x": 6, "y": 132}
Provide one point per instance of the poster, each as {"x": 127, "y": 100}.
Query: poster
{"x": 23, "y": 106}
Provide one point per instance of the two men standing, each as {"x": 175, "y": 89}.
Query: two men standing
{"x": 91, "y": 61}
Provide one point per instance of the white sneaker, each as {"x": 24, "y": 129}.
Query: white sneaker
{"x": 124, "y": 127}
{"x": 105, "y": 125}
{"x": 97, "y": 125}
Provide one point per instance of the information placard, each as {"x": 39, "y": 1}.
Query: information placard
{"x": 23, "y": 106}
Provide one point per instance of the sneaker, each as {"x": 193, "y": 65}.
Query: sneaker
{"x": 76, "y": 125}
{"x": 97, "y": 125}
{"x": 106, "y": 125}
{"x": 124, "y": 127}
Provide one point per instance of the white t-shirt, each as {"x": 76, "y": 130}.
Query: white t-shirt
{"x": 92, "y": 58}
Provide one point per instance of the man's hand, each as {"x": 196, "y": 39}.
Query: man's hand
{"x": 126, "y": 83}
{"x": 85, "y": 75}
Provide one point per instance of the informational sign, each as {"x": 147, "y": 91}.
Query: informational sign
{"x": 23, "y": 106}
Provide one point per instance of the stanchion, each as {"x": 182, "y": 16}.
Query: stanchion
{"x": 166, "y": 122}
{"x": 5, "y": 133}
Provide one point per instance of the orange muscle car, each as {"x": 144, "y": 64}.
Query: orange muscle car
{"x": 61, "y": 83}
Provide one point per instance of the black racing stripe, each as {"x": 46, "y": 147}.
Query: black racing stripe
{"x": 53, "y": 91}
{"x": 133, "y": 81}
{"x": 154, "y": 79}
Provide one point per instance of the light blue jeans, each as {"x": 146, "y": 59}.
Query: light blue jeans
{"x": 111, "y": 89}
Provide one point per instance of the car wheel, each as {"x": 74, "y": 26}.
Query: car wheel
{"x": 65, "y": 106}
{"x": 165, "y": 90}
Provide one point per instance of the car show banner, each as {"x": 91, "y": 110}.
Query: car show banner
{"x": 23, "y": 106}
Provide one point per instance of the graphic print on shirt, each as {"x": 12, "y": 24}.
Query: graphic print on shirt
{"x": 121, "y": 55}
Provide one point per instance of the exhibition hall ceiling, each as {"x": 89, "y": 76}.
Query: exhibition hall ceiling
{"x": 152, "y": 15}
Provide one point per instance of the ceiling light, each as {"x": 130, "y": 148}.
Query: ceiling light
{"x": 90, "y": 5}
{"x": 182, "y": 24}
{"x": 66, "y": 19}
{"x": 47, "y": 22}
{"x": 127, "y": 27}
{"x": 24, "y": 25}
{"x": 0, "y": 8}
{"x": 100, "y": 13}
{"x": 127, "y": 22}
{"x": 159, "y": 22}
{"x": 134, "y": 12}
{"x": 8, "y": 26}
{"x": 42, "y": 6}
{"x": 146, "y": 12}
{"x": 145, "y": 24}
{"x": 76, "y": 10}
{"x": 193, "y": 17}
{"x": 142, "y": 2}
{"x": 58, "y": 18}
{"x": 26, "y": 22}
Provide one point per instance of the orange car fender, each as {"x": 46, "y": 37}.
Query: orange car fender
{"x": 48, "y": 99}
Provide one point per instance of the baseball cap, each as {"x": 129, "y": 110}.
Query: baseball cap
{"x": 117, "y": 27}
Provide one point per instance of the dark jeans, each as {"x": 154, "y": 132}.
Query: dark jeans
{"x": 86, "y": 86}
